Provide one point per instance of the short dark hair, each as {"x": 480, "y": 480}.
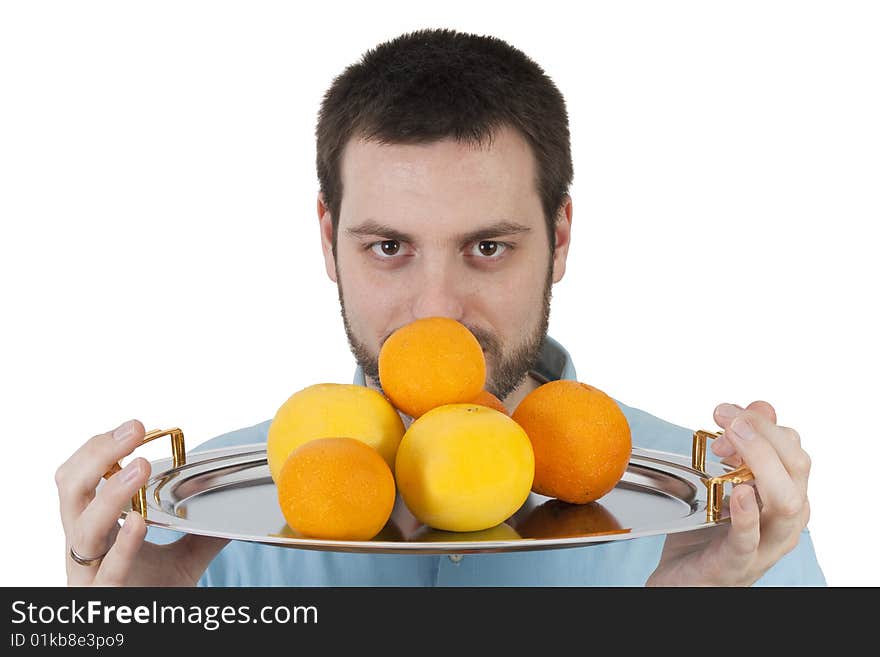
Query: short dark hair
{"x": 439, "y": 83}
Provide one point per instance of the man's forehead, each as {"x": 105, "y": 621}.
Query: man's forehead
{"x": 497, "y": 175}
{"x": 505, "y": 154}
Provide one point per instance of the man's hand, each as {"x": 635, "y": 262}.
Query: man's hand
{"x": 762, "y": 528}
{"x": 120, "y": 556}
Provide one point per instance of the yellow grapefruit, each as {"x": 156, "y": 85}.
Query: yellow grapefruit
{"x": 464, "y": 467}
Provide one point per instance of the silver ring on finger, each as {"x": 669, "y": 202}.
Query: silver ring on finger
{"x": 85, "y": 561}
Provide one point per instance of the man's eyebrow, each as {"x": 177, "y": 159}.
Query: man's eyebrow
{"x": 497, "y": 229}
{"x": 372, "y": 227}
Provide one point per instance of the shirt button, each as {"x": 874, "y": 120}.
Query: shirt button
{"x": 455, "y": 558}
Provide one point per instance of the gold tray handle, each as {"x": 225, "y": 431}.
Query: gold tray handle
{"x": 715, "y": 485}
{"x": 178, "y": 456}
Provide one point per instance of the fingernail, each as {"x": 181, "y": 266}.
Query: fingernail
{"x": 130, "y": 472}
{"x": 124, "y": 432}
{"x": 741, "y": 428}
{"x": 728, "y": 411}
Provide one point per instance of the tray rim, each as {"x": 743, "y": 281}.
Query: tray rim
{"x": 678, "y": 462}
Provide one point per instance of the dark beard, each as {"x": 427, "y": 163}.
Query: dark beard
{"x": 510, "y": 370}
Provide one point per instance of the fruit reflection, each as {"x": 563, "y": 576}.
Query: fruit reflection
{"x": 390, "y": 532}
{"x": 558, "y": 519}
{"x": 502, "y": 532}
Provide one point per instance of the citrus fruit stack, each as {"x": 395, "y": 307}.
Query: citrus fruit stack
{"x": 463, "y": 464}
{"x": 339, "y": 454}
{"x": 331, "y": 450}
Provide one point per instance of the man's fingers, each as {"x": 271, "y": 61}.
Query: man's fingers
{"x": 78, "y": 477}
{"x": 723, "y": 447}
{"x": 741, "y": 544}
{"x": 734, "y": 460}
{"x": 764, "y": 408}
{"x": 725, "y": 414}
{"x": 117, "y": 564}
{"x": 787, "y": 443}
{"x": 785, "y": 440}
{"x": 780, "y": 481}
{"x": 95, "y": 528}
{"x": 731, "y": 561}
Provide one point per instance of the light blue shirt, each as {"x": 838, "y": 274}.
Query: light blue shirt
{"x": 615, "y": 563}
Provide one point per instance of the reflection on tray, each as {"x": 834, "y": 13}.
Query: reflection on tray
{"x": 390, "y": 532}
{"x": 502, "y": 532}
{"x": 556, "y": 519}
{"x": 552, "y": 519}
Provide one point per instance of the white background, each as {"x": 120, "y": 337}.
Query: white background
{"x": 160, "y": 254}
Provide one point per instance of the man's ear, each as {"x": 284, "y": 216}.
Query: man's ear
{"x": 325, "y": 220}
{"x": 563, "y": 239}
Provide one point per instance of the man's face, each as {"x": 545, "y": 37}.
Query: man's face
{"x": 445, "y": 230}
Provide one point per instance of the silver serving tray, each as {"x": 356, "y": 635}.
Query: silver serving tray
{"x": 229, "y": 493}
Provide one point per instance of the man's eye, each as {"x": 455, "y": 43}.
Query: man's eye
{"x": 490, "y": 249}
{"x": 386, "y": 248}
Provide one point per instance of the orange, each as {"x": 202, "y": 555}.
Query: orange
{"x": 580, "y": 437}
{"x": 464, "y": 467}
{"x": 336, "y": 489}
{"x": 431, "y": 362}
{"x": 333, "y": 410}
{"x": 486, "y": 398}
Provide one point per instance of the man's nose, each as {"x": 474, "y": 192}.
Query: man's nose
{"x": 440, "y": 294}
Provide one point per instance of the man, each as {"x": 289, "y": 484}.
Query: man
{"x": 444, "y": 167}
